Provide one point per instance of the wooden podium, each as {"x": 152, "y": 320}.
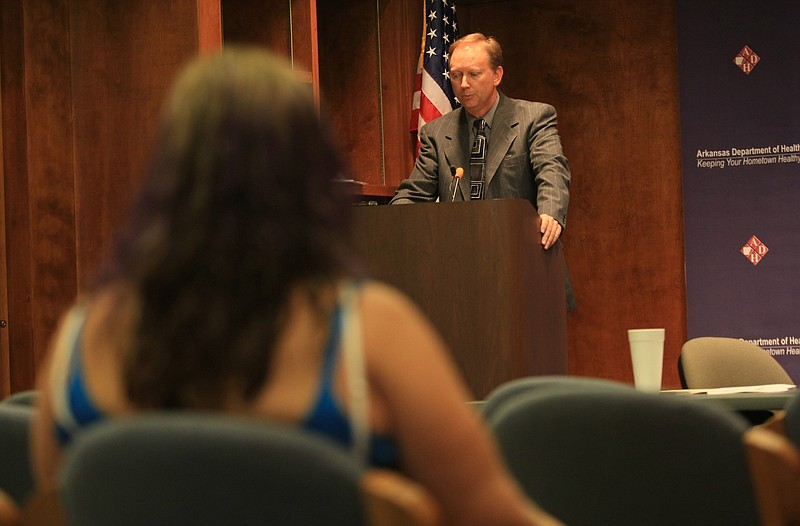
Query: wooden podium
{"x": 479, "y": 272}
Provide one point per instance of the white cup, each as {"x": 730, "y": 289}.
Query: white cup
{"x": 647, "y": 357}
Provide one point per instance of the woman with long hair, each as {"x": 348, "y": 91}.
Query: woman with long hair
{"x": 231, "y": 290}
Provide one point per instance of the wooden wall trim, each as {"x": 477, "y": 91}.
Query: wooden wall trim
{"x": 17, "y": 274}
{"x": 313, "y": 37}
{"x": 209, "y": 26}
{"x": 5, "y": 365}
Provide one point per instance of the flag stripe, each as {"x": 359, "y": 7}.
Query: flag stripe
{"x": 433, "y": 94}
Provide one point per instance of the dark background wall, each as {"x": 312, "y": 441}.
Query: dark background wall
{"x": 609, "y": 67}
{"x": 81, "y": 82}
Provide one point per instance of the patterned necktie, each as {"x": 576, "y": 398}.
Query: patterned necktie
{"x": 477, "y": 160}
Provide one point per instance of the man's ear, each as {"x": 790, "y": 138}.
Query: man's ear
{"x": 498, "y": 75}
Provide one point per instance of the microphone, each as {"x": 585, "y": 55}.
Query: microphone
{"x": 459, "y": 173}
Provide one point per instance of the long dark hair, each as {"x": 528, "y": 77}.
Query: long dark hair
{"x": 237, "y": 209}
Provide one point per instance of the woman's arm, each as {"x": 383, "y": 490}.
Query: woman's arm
{"x": 102, "y": 323}
{"x": 10, "y": 514}
{"x": 443, "y": 443}
{"x": 45, "y": 449}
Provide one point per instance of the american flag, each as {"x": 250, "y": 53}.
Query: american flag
{"x": 433, "y": 95}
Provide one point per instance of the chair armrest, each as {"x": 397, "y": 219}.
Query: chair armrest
{"x": 774, "y": 465}
{"x": 776, "y": 423}
{"x": 391, "y": 499}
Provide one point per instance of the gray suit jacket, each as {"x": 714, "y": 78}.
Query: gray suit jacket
{"x": 524, "y": 160}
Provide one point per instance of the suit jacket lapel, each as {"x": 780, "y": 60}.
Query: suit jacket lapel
{"x": 503, "y": 134}
{"x": 456, "y": 149}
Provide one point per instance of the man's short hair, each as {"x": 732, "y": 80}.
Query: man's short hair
{"x": 490, "y": 44}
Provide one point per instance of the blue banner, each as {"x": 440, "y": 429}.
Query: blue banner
{"x": 740, "y": 135}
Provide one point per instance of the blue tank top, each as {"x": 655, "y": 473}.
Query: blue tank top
{"x": 75, "y": 409}
{"x": 326, "y": 415}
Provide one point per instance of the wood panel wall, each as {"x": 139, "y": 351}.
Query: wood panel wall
{"x": 124, "y": 56}
{"x": 40, "y": 234}
{"x": 367, "y": 70}
{"x": 82, "y": 82}
{"x": 238, "y": 26}
{"x": 610, "y": 69}
{"x": 82, "y": 85}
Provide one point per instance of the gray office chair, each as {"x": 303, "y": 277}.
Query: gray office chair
{"x": 618, "y": 456}
{"x": 500, "y": 395}
{"x": 16, "y": 478}
{"x": 202, "y": 469}
{"x": 23, "y": 398}
{"x": 710, "y": 362}
{"x": 791, "y": 420}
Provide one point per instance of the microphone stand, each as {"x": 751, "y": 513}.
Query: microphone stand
{"x": 459, "y": 173}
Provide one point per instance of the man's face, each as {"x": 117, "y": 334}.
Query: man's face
{"x": 473, "y": 79}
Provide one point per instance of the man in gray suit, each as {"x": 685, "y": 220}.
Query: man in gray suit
{"x": 523, "y": 154}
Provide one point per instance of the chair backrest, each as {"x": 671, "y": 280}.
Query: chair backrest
{"x": 791, "y": 420}
{"x": 710, "y": 362}
{"x": 16, "y": 478}
{"x": 500, "y": 395}
{"x": 24, "y": 398}
{"x": 210, "y": 469}
{"x": 201, "y": 469}
{"x": 618, "y": 456}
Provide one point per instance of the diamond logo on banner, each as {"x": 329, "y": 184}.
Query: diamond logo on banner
{"x": 746, "y": 60}
{"x": 754, "y": 250}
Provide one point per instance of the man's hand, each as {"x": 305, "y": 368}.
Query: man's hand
{"x": 550, "y": 229}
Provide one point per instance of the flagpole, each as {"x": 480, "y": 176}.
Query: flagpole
{"x": 380, "y": 90}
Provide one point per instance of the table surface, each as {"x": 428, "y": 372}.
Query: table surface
{"x": 741, "y": 401}
{"x": 735, "y": 401}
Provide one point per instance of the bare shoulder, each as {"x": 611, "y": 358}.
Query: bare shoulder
{"x": 397, "y": 334}
{"x": 117, "y": 297}
{"x": 111, "y": 321}
{"x": 383, "y": 295}
{"x": 112, "y": 313}
{"x": 387, "y": 307}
